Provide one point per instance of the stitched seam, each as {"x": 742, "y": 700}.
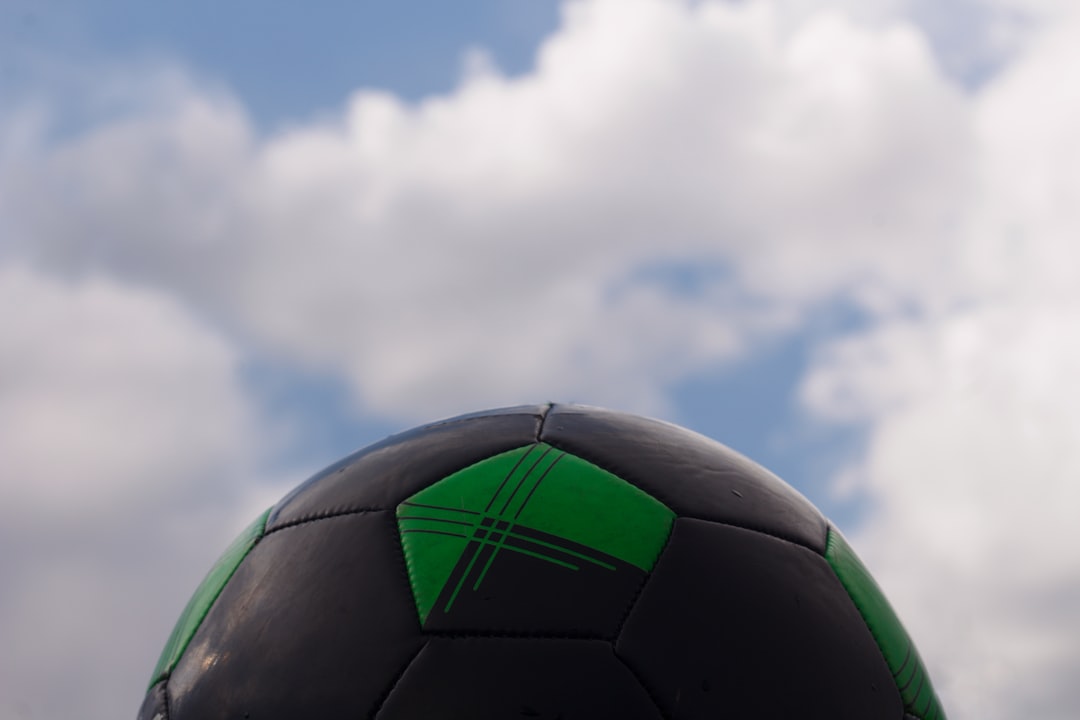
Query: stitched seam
{"x": 179, "y": 651}
{"x": 165, "y": 696}
{"x": 758, "y": 530}
{"x": 390, "y": 688}
{"x": 514, "y": 635}
{"x": 348, "y": 460}
{"x": 637, "y": 678}
{"x": 641, "y": 588}
{"x": 585, "y": 455}
{"x": 452, "y": 421}
{"x": 543, "y": 419}
{"x": 326, "y": 514}
{"x": 873, "y": 636}
{"x": 404, "y": 565}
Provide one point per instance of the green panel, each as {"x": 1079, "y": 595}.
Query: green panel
{"x": 430, "y": 553}
{"x": 900, "y": 653}
{"x": 205, "y": 595}
{"x": 490, "y": 486}
{"x": 537, "y": 487}
{"x": 576, "y": 493}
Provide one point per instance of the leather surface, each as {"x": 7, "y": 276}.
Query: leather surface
{"x": 691, "y": 474}
{"x": 382, "y": 475}
{"x": 155, "y": 704}
{"x": 528, "y": 679}
{"x": 317, "y": 622}
{"x": 740, "y": 617}
{"x": 735, "y": 623}
{"x": 523, "y": 595}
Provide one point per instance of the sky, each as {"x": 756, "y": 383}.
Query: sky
{"x": 240, "y": 240}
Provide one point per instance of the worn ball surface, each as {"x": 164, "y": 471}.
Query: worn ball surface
{"x": 541, "y": 562}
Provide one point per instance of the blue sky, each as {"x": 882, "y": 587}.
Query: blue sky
{"x": 240, "y": 240}
{"x": 288, "y": 63}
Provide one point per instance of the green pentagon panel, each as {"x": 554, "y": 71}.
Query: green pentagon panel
{"x": 537, "y": 502}
{"x": 205, "y": 595}
{"x": 900, "y": 653}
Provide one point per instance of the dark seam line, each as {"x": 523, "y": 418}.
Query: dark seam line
{"x": 757, "y": 530}
{"x": 929, "y": 699}
{"x": 165, "y": 695}
{"x": 390, "y": 689}
{"x": 434, "y": 532}
{"x": 318, "y": 516}
{"x": 517, "y": 635}
{"x": 641, "y": 684}
{"x": 903, "y": 665}
{"x": 508, "y": 476}
{"x": 526, "y": 500}
{"x": 543, "y": 419}
{"x": 440, "y": 507}
{"x": 213, "y": 601}
{"x": 450, "y": 422}
{"x": 434, "y": 519}
{"x": 641, "y": 588}
{"x": 604, "y": 466}
{"x": 873, "y": 636}
{"x": 401, "y": 554}
{"x": 918, "y": 689}
{"x": 911, "y": 679}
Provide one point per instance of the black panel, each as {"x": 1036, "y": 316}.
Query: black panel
{"x": 382, "y": 475}
{"x": 735, "y": 623}
{"x": 514, "y": 678}
{"x": 155, "y": 704}
{"x": 691, "y": 474}
{"x": 576, "y": 590}
{"x": 316, "y": 622}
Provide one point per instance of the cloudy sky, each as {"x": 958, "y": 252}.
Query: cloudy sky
{"x": 240, "y": 240}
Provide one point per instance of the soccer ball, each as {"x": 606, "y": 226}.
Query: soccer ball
{"x": 541, "y": 562}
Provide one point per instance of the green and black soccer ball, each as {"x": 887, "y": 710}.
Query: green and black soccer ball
{"x": 541, "y": 562}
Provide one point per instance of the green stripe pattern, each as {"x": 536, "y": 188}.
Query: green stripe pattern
{"x": 203, "y": 599}
{"x": 903, "y": 659}
{"x": 535, "y": 487}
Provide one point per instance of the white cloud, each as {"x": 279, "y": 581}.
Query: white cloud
{"x": 970, "y": 471}
{"x": 106, "y": 391}
{"x": 465, "y": 250}
{"x": 127, "y": 449}
{"x": 974, "y": 415}
{"x": 489, "y": 246}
